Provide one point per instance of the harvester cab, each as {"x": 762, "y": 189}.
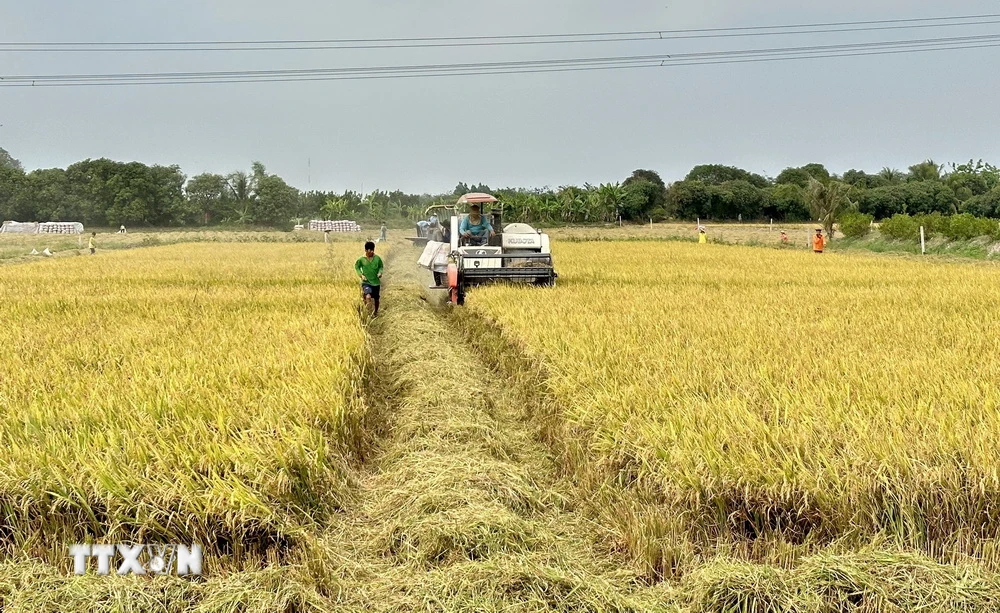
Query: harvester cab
{"x": 517, "y": 252}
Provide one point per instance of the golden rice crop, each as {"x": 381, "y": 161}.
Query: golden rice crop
{"x": 756, "y": 392}
{"x": 19, "y": 246}
{"x": 799, "y": 235}
{"x": 191, "y": 393}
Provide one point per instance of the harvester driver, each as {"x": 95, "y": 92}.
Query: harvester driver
{"x": 476, "y": 228}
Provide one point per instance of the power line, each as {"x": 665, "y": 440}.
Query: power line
{"x": 800, "y": 52}
{"x": 508, "y": 68}
{"x": 518, "y": 71}
{"x": 482, "y": 37}
{"x": 521, "y": 39}
{"x": 333, "y": 46}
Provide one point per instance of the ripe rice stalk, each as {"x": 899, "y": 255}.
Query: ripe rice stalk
{"x": 761, "y": 393}
{"x": 189, "y": 393}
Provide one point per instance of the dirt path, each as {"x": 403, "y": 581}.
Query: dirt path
{"x": 460, "y": 510}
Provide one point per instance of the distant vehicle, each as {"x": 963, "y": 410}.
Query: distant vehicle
{"x": 518, "y": 253}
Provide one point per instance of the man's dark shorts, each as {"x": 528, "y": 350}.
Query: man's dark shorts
{"x": 370, "y": 290}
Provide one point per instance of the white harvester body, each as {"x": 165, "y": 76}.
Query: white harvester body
{"x": 518, "y": 253}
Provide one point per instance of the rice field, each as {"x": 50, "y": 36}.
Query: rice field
{"x": 754, "y": 234}
{"x": 729, "y": 429}
{"x": 186, "y": 393}
{"x": 18, "y": 247}
{"x": 760, "y": 400}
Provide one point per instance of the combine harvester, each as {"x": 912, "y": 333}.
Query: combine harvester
{"x": 518, "y": 253}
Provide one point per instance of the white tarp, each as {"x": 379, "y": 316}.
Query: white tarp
{"x": 435, "y": 256}
{"x": 17, "y": 227}
{"x": 49, "y": 227}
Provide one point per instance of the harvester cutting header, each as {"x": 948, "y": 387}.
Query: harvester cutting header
{"x": 466, "y": 249}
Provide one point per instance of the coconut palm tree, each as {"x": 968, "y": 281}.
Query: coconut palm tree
{"x": 241, "y": 187}
{"x": 826, "y": 201}
{"x": 926, "y": 171}
{"x": 891, "y": 175}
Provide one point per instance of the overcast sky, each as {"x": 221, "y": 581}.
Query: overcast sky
{"x": 529, "y": 130}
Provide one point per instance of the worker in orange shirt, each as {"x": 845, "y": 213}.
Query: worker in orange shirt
{"x": 818, "y": 242}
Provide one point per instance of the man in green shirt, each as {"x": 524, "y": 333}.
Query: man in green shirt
{"x": 369, "y": 269}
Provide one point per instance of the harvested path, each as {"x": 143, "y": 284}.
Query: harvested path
{"x": 460, "y": 510}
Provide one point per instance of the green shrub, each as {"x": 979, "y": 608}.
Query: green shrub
{"x": 900, "y": 227}
{"x": 961, "y": 227}
{"x": 966, "y": 227}
{"x": 659, "y": 214}
{"x": 856, "y": 225}
{"x": 987, "y": 227}
{"x": 934, "y": 224}
{"x": 954, "y": 227}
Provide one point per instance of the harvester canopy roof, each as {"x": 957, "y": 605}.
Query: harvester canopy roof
{"x": 476, "y": 199}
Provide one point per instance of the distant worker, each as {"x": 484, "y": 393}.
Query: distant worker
{"x": 383, "y": 233}
{"x": 702, "y": 236}
{"x": 121, "y": 230}
{"x": 434, "y": 230}
{"x": 818, "y": 242}
{"x": 369, "y": 269}
{"x": 90, "y": 244}
{"x": 784, "y": 237}
{"x": 476, "y": 228}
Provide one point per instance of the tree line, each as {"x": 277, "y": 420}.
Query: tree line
{"x": 108, "y": 193}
